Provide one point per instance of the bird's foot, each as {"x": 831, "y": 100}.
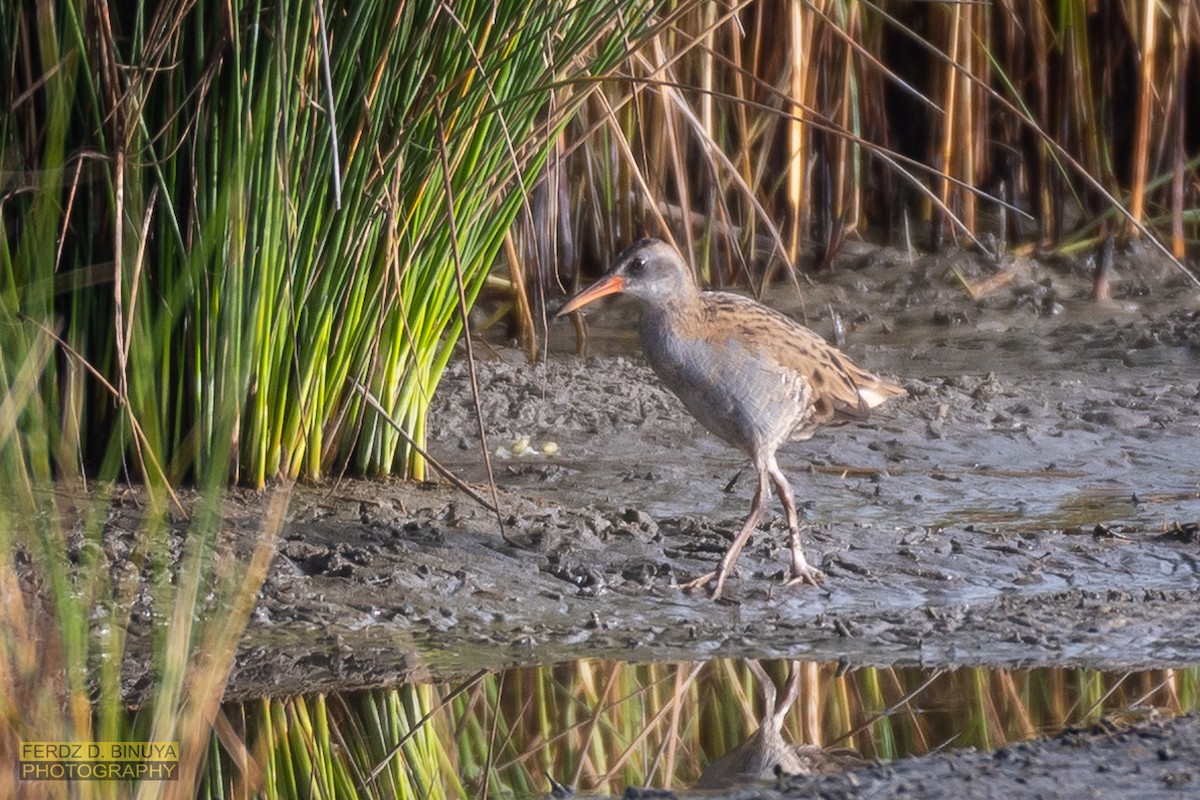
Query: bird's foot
{"x": 716, "y": 577}
{"x": 803, "y": 572}
{"x": 811, "y": 576}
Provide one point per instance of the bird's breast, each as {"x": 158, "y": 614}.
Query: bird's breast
{"x": 732, "y": 386}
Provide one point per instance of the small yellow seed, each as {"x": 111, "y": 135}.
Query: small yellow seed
{"x": 550, "y": 448}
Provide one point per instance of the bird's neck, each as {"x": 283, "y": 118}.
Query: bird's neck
{"x": 674, "y": 317}
{"x": 680, "y": 306}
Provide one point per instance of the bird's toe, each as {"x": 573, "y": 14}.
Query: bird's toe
{"x": 714, "y": 579}
{"x": 806, "y": 575}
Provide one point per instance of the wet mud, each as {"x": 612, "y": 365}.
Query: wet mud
{"x": 1033, "y": 501}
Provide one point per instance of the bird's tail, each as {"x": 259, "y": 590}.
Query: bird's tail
{"x": 875, "y": 390}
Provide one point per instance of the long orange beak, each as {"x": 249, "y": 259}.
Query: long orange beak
{"x": 612, "y": 284}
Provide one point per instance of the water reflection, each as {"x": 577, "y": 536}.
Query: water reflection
{"x": 603, "y": 725}
{"x": 766, "y": 754}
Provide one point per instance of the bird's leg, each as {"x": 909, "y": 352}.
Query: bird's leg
{"x": 735, "y": 548}
{"x": 802, "y": 571}
{"x": 791, "y": 691}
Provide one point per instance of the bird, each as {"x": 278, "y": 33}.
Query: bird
{"x": 752, "y": 376}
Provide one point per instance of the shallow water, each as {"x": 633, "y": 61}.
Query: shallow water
{"x": 602, "y": 726}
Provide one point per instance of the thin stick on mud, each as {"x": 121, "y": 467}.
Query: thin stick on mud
{"x": 464, "y": 309}
{"x": 458, "y": 482}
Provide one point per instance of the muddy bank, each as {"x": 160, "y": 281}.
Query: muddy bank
{"x": 1033, "y": 501}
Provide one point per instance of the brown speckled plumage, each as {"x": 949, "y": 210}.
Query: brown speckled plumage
{"x": 749, "y": 374}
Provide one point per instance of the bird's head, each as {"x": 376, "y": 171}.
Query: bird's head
{"x": 650, "y": 270}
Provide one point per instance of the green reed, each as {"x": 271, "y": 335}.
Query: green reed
{"x": 221, "y": 228}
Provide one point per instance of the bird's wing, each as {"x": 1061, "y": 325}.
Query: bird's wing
{"x": 842, "y": 390}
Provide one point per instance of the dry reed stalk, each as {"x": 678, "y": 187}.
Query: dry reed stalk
{"x": 800, "y": 81}
{"x": 1014, "y": 710}
{"x": 841, "y": 710}
{"x": 811, "y": 701}
{"x": 1144, "y": 116}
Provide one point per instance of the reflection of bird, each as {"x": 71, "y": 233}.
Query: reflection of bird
{"x": 749, "y": 374}
{"x": 765, "y": 754}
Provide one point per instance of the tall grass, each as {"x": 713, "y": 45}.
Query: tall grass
{"x": 245, "y": 209}
{"x": 240, "y": 202}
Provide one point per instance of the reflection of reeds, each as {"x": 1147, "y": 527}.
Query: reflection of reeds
{"x": 604, "y": 725}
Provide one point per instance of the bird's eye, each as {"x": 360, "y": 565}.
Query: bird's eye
{"x": 637, "y": 266}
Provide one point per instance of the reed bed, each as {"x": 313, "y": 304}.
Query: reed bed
{"x": 282, "y": 214}
{"x": 787, "y": 127}
{"x": 248, "y": 211}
